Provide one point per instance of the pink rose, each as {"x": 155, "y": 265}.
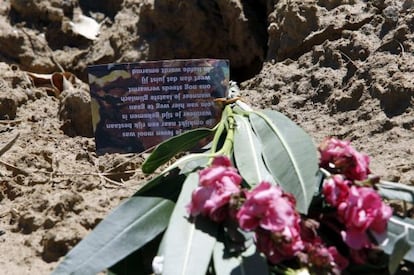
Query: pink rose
{"x": 339, "y": 156}
{"x": 217, "y": 185}
{"x": 363, "y": 210}
{"x": 336, "y": 189}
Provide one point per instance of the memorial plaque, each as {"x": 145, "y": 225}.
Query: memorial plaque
{"x": 136, "y": 106}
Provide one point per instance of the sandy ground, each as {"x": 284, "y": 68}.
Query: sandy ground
{"x": 337, "y": 68}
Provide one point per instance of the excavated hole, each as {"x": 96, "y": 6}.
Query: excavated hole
{"x": 168, "y": 39}
{"x": 109, "y": 7}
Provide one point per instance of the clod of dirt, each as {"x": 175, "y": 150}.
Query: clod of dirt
{"x": 30, "y": 9}
{"x": 57, "y": 244}
{"x": 12, "y": 87}
{"x": 8, "y": 107}
{"x": 9, "y": 38}
{"x": 90, "y": 222}
{"x": 67, "y": 202}
{"x": 392, "y": 83}
{"x": 26, "y": 47}
{"x": 296, "y": 26}
{"x": 28, "y": 222}
{"x": 9, "y": 189}
{"x": 75, "y": 112}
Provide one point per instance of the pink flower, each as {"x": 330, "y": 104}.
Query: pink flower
{"x": 359, "y": 256}
{"x": 364, "y": 210}
{"x": 309, "y": 232}
{"x": 266, "y": 206}
{"x": 276, "y": 246}
{"x": 336, "y": 189}
{"x": 342, "y": 158}
{"x": 318, "y": 258}
{"x": 340, "y": 261}
{"x": 323, "y": 260}
{"x": 217, "y": 185}
{"x": 271, "y": 213}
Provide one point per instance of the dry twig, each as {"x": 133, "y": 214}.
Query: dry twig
{"x": 10, "y": 121}
{"x": 21, "y": 171}
{"x": 389, "y": 42}
{"x": 8, "y": 145}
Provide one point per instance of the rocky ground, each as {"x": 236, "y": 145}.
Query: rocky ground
{"x": 338, "y": 68}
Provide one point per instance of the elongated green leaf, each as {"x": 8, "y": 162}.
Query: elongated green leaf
{"x": 185, "y": 164}
{"x": 396, "y": 191}
{"x": 187, "y": 246}
{"x": 248, "y": 153}
{"x": 289, "y": 154}
{"x": 139, "y": 262}
{"x": 400, "y": 240}
{"x": 249, "y": 263}
{"x": 191, "y": 165}
{"x": 169, "y": 148}
{"x": 401, "y": 247}
{"x": 160, "y": 185}
{"x": 130, "y": 226}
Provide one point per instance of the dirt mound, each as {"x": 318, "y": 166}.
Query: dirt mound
{"x": 341, "y": 68}
{"x": 347, "y": 73}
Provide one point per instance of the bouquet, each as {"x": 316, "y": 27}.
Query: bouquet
{"x": 259, "y": 199}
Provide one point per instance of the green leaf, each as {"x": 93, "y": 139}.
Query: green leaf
{"x": 379, "y": 267}
{"x": 194, "y": 164}
{"x": 130, "y": 226}
{"x": 188, "y": 162}
{"x": 401, "y": 247}
{"x": 399, "y": 243}
{"x": 290, "y": 155}
{"x": 187, "y": 246}
{"x": 169, "y": 148}
{"x": 139, "y": 262}
{"x": 396, "y": 191}
{"x": 248, "y": 153}
{"x": 162, "y": 185}
{"x": 249, "y": 262}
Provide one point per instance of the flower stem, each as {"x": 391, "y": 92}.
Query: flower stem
{"x": 278, "y": 269}
{"x": 230, "y": 124}
{"x": 325, "y": 172}
{"x": 219, "y": 131}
